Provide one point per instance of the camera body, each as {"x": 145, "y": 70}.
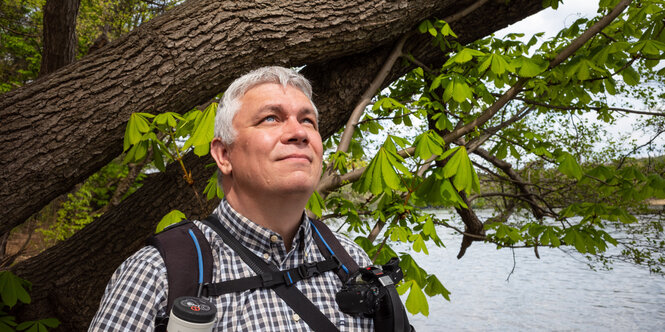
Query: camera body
{"x": 365, "y": 289}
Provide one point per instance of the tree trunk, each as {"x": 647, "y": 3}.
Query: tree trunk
{"x": 63, "y": 127}
{"x": 68, "y": 279}
{"x": 60, "y": 40}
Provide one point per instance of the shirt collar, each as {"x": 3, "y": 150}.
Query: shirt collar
{"x": 260, "y": 239}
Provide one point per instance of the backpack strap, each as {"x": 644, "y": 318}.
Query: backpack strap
{"x": 309, "y": 312}
{"x": 180, "y": 245}
{"x": 272, "y": 278}
{"x": 329, "y": 246}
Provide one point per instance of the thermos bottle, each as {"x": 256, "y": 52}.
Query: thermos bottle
{"x": 191, "y": 314}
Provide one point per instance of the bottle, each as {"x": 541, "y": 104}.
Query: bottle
{"x": 192, "y": 314}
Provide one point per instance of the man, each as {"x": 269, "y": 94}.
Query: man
{"x": 269, "y": 154}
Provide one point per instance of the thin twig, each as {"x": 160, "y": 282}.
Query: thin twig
{"x": 514, "y": 264}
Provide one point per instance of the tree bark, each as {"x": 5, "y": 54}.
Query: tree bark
{"x": 68, "y": 286}
{"x": 66, "y": 125}
{"x": 69, "y": 278}
{"x": 60, "y": 40}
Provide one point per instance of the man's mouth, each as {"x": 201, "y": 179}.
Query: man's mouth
{"x": 297, "y": 156}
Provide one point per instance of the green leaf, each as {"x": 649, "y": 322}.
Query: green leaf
{"x": 157, "y": 157}
{"x": 422, "y": 27}
{"x": 428, "y": 227}
{"x": 315, "y": 204}
{"x": 434, "y": 287}
{"x": 442, "y": 122}
{"x": 465, "y": 55}
{"x": 497, "y": 63}
{"x": 170, "y": 218}
{"x": 630, "y": 76}
{"x": 398, "y": 233}
{"x": 136, "y": 127}
{"x": 39, "y": 325}
{"x": 460, "y": 166}
{"x": 569, "y": 166}
{"x": 531, "y": 67}
{"x": 427, "y": 144}
{"x": 648, "y": 47}
{"x": 416, "y": 301}
{"x": 380, "y": 175}
{"x": 447, "y": 31}
{"x": 204, "y": 131}
{"x": 412, "y": 270}
{"x": 213, "y": 189}
{"x": 7, "y": 322}
{"x": 461, "y": 91}
{"x": 419, "y": 244}
{"x": 13, "y": 289}
{"x": 137, "y": 152}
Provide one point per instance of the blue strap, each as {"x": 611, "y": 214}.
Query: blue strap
{"x": 198, "y": 253}
{"x": 327, "y": 246}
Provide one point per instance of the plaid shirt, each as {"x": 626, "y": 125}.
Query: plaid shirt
{"x": 137, "y": 291}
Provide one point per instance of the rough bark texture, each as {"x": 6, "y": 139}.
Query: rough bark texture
{"x": 63, "y": 127}
{"x": 59, "y": 34}
{"x": 84, "y": 108}
{"x": 66, "y": 125}
{"x": 69, "y": 278}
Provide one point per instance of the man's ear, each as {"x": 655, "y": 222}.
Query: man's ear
{"x": 220, "y": 152}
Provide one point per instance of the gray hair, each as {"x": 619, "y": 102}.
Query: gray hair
{"x": 230, "y": 103}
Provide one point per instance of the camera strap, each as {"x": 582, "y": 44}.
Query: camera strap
{"x": 311, "y": 314}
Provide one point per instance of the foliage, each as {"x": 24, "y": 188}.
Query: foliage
{"x": 21, "y": 24}
{"x": 525, "y": 117}
{"x": 170, "y": 218}
{"x": 87, "y": 203}
{"x": 114, "y": 18}
{"x": 168, "y": 136}
{"x": 13, "y": 290}
{"x": 20, "y": 42}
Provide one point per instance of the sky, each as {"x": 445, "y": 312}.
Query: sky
{"x": 551, "y": 21}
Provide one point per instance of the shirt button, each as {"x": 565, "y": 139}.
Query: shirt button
{"x": 274, "y": 238}
{"x": 266, "y": 256}
{"x": 296, "y": 317}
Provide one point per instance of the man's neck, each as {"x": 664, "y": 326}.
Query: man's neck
{"x": 279, "y": 214}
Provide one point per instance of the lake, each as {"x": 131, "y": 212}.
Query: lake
{"x": 557, "y": 292}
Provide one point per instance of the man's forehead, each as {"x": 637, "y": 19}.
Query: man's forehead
{"x": 273, "y": 104}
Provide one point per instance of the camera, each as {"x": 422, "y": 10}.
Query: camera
{"x": 364, "y": 291}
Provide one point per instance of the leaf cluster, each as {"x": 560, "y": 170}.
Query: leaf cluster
{"x": 14, "y": 290}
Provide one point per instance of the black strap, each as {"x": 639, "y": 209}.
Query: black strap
{"x": 270, "y": 279}
{"x": 325, "y": 238}
{"x": 316, "y": 320}
{"x": 391, "y": 315}
{"x": 181, "y": 259}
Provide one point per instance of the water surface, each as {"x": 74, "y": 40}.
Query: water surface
{"x": 557, "y": 292}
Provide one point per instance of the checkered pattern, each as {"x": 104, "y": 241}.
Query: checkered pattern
{"x": 137, "y": 291}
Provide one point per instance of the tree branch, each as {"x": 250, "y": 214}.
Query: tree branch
{"x": 561, "y": 107}
{"x": 366, "y": 97}
{"x": 465, "y": 11}
{"x": 586, "y": 35}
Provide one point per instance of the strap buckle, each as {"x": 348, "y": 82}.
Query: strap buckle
{"x": 338, "y": 263}
{"x": 308, "y": 270}
{"x": 268, "y": 280}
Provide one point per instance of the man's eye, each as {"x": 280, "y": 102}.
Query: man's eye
{"x": 310, "y": 121}
{"x": 270, "y": 118}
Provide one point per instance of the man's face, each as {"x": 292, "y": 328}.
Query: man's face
{"x": 277, "y": 148}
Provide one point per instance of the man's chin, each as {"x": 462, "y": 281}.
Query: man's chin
{"x": 294, "y": 188}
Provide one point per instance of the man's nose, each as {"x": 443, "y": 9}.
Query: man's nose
{"x": 294, "y": 132}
